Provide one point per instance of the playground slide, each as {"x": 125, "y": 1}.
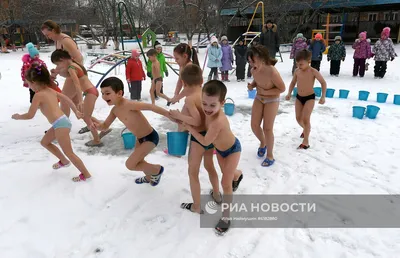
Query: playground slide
{"x": 204, "y": 41}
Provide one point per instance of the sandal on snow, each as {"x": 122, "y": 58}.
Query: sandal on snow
{"x": 235, "y": 184}
{"x": 215, "y": 200}
{"x": 222, "y": 227}
{"x": 141, "y": 180}
{"x": 91, "y": 143}
{"x": 104, "y": 133}
{"x": 155, "y": 179}
{"x": 302, "y": 135}
{"x": 59, "y": 165}
{"x": 304, "y": 147}
{"x": 188, "y": 206}
{"x": 261, "y": 151}
{"x": 267, "y": 162}
{"x": 84, "y": 130}
{"x": 79, "y": 178}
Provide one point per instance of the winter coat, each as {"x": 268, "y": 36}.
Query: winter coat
{"x": 337, "y": 52}
{"x": 298, "y": 45}
{"x": 241, "y": 55}
{"x": 27, "y": 62}
{"x": 214, "y": 54}
{"x": 163, "y": 64}
{"x": 362, "y": 49}
{"x": 270, "y": 39}
{"x": 134, "y": 70}
{"x": 317, "y": 47}
{"x": 384, "y": 50}
{"x": 227, "y": 57}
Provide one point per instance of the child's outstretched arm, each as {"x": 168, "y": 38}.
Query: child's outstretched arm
{"x": 322, "y": 81}
{"x": 291, "y": 87}
{"x": 212, "y": 134}
{"x": 194, "y": 119}
{"x": 32, "y": 109}
{"x": 71, "y": 104}
{"x": 106, "y": 124}
{"x": 139, "y": 106}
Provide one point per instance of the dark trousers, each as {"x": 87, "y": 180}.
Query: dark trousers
{"x": 31, "y": 93}
{"x": 359, "y": 67}
{"x": 240, "y": 71}
{"x": 335, "y": 67}
{"x": 249, "y": 71}
{"x": 316, "y": 64}
{"x": 136, "y": 90}
{"x": 294, "y": 66}
{"x": 214, "y": 71}
{"x": 380, "y": 68}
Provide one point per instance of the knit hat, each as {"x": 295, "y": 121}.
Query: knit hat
{"x": 318, "y": 36}
{"x": 224, "y": 38}
{"x": 135, "y": 53}
{"x": 385, "y": 33}
{"x": 214, "y": 40}
{"x": 363, "y": 35}
{"x": 299, "y": 35}
{"x": 338, "y": 38}
{"x": 32, "y": 50}
{"x": 157, "y": 45}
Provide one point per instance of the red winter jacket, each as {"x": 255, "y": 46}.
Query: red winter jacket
{"x": 134, "y": 70}
{"x": 27, "y": 62}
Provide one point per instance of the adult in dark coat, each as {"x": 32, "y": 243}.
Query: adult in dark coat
{"x": 269, "y": 38}
{"x": 241, "y": 60}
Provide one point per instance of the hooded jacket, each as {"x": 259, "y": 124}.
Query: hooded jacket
{"x": 362, "y": 49}
{"x": 384, "y": 50}
{"x": 298, "y": 45}
{"x": 27, "y": 62}
{"x": 269, "y": 38}
{"x": 337, "y": 52}
{"x": 317, "y": 47}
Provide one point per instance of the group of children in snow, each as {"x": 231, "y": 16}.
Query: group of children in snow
{"x": 383, "y": 51}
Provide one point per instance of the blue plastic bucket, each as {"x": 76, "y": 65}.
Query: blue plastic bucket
{"x": 358, "y": 112}
{"x": 129, "y": 139}
{"x": 318, "y": 91}
{"x": 343, "y": 94}
{"x": 381, "y": 97}
{"x": 229, "y": 108}
{"x": 252, "y": 94}
{"x": 363, "y": 95}
{"x": 330, "y": 93}
{"x": 372, "y": 111}
{"x": 294, "y": 92}
{"x": 396, "y": 100}
{"x": 177, "y": 143}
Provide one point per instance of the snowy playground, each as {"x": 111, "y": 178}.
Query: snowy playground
{"x": 44, "y": 214}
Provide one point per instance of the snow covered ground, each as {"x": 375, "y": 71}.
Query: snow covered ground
{"x": 44, "y": 214}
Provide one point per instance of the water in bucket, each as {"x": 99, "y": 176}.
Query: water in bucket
{"x": 177, "y": 143}
{"x": 129, "y": 139}
{"x": 343, "y": 94}
{"x": 363, "y": 95}
{"x": 372, "y": 111}
{"x": 358, "y": 112}
{"x": 318, "y": 91}
{"x": 330, "y": 93}
{"x": 229, "y": 108}
{"x": 396, "y": 100}
{"x": 381, "y": 97}
{"x": 252, "y": 94}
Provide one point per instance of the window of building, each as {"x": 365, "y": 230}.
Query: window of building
{"x": 372, "y": 17}
{"x": 391, "y": 16}
{"x": 336, "y": 19}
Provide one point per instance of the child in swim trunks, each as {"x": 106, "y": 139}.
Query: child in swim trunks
{"x": 130, "y": 114}
{"x": 78, "y": 74}
{"x": 305, "y": 77}
{"x": 45, "y": 98}
{"x": 192, "y": 114}
{"x": 156, "y": 80}
{"x": 227, "y": 145}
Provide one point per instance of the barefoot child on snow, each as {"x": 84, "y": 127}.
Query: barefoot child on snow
{"x": 192, "y": 114}
{"x": 305, "y": 76}
{"x": 45, "y": 99}
{"x": 130, "y": 114}
{"x": 227, "y": 145}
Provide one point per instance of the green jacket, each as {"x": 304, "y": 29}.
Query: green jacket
{"x": 163, "y": 64}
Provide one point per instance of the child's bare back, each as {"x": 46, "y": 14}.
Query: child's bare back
{"x": 195, "y": 100}
{"x": 47, "y": 101}
{"x": 305, "y": 81}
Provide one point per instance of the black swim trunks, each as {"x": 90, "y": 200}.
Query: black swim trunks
{"x": 159, "y": 79}
{"x": 303, "y": 100}
{"x": 211, "y": 146}
{"x": 152, "y": 137}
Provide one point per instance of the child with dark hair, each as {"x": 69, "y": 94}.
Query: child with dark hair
{"x": 305, "y": 77}
{"x": 184, "y": 55}
{"x": 135, "y": 75}
{"x": 130, "y": 114}
{"x": 317, "y": 48}
{"x": 336, "y": 54}
{"x": 157, "y": 80}
{"x": 163, "y": 64}
{"x": 269, "y": 86}
{"x": 241, "y": 60}
{"x": 70, "y": 69}
{"x": 46, "y": 99}
{"x": 227, "y": 145}
{"x": 214, "y": 53}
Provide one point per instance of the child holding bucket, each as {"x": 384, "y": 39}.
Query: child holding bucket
{"x": 305, "y": 76}
{"x": 227, "y": 145}
{"x": 192, "y": 114}
{"x": 130, "y": 114}
{"x": 45, "y": 99}
{"x": 269, "y": 86}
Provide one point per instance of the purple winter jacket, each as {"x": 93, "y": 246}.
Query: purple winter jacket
{"x": 227, "y": 57}
{"x": 362, "y": 49}
{"x": 298, "y": 45}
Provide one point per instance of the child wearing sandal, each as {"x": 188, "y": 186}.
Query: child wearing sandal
{"x": 269, "y": 86}
{"x": 78, "y": 75}
{"x": 192, "y": 114}
{"x": 45, "y": 98}
{"x": 157, "y": 79}
{"x": 227, "y": 145}
{"x": 305, "y": 77}
{"x": 130, "y": 114}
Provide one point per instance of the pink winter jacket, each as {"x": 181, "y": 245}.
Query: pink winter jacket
{"x": 27, "y": 62}
{"x": 362, "y": 49}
